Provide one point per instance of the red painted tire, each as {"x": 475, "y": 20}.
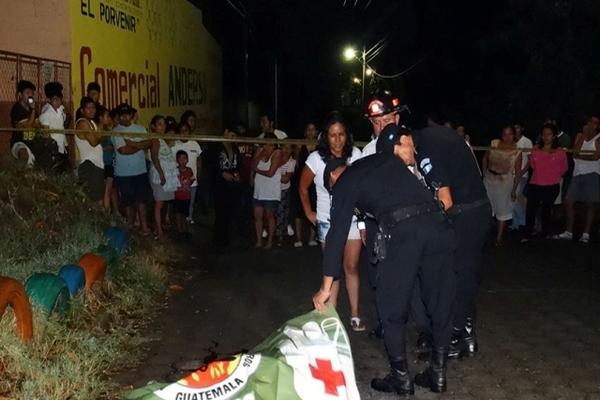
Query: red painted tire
{"x": 12, "y": 293}
{"x": 94, "y": 267}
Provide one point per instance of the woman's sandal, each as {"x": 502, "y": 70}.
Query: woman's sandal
{"x": 356, "y": 325}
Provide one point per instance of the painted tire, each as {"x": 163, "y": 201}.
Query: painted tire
{"x": 94, "y": 267}
{"x": 110, "y": 255}
{"x": 48, "y": 291}
{"x": 74, "y": 277}
{"x": 12, "y": 293}
{"x": 118, "y": 239}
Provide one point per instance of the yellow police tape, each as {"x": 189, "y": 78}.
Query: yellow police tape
{"x": 220, "y": 139}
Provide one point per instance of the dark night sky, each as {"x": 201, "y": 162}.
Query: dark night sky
{"x": 485, "y": 63}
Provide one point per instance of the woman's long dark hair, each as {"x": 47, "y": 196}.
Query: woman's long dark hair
{"x": 186, "y": 114}
{"x": 323, "y": 145}
{"x": 554, "y": 130}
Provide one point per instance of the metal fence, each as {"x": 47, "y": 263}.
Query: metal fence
{"x": 13, "y": 68}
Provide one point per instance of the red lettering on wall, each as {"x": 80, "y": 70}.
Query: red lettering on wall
{"x": 83, "y": 53}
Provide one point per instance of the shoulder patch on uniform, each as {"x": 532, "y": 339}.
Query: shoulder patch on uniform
{"x": 425, "y": 165}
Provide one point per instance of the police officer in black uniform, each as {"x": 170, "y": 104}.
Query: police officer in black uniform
{"x": 414, "y": 240}
{"x": 451, "y": 170}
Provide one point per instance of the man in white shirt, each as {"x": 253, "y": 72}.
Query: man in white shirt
{"x": 382, "y": 110}
{"x": 267, "y": 125}
{"x": 523, "y": 142}
{"x": 53, "y": 114}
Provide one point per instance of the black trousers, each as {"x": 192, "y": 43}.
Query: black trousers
{"x": 471, "y": 228}
{"x": 540, "y": 196}
{"x": 420, "y": 250}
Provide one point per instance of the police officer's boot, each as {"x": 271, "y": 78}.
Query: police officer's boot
{"x": 398, "y": 380}
{"x": 434, "y": 377}
{"x": 470, "y": 338}
{"x": 463, "y": 341}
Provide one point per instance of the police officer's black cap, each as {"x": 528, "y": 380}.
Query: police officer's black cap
{"x": 53, "y": 89}
{"x": 332, "y": 165}
{"x": 389, "y": 137}
{"x": 124, "y": 108}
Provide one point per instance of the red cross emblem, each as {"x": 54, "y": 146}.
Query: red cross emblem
{"x": 325, "y": 373}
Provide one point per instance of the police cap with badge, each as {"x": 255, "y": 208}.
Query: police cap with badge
{"x": 390, "y": 136}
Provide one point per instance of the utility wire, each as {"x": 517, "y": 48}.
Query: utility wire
{"x": 399, "y": 74}
{"x": 376, "y": 45}
{"x": 236, "y": 9}
{"x": 377, "y": 52}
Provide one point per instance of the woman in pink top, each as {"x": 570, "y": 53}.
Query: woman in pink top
{"x": 548, "y": 164}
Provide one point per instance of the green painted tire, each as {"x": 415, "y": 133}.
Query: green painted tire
{"x": 110, "y": 255}
{"x": 49, "y": 292}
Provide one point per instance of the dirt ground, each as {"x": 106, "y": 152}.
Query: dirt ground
{"x": 539, "y": 319}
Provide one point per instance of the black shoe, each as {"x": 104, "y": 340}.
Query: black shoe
{"x": 424, "y": 343}
{"x": 463, "y": 342}
{"x": 377, "y": 332}
{"x": 470, "y": 338}
{"x": 397, "y": 381}
{"x": 434, "y": 377}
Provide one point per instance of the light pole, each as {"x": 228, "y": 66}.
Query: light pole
{"x": 350, "y": 54}
{"x": 364, "y": 74}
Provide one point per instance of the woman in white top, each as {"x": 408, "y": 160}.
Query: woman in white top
{"x": 501, "y": 171}
{"x": 287, "y": 170}
{"x": 163, "y": 172}
{"x": 267, "y": 189}
{"x": 585, "y": 184}
{"x": 90, "y": 172}
{"x": 333, "y": 143}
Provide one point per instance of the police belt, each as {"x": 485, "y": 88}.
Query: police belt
{"x": 390, "y": 219}
{"x": 462, "y": 208}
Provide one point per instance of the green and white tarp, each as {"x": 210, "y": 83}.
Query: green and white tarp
{"x": 308, "y": 358}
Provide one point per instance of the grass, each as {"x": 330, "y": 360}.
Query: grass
{"x": 47, "y": 222}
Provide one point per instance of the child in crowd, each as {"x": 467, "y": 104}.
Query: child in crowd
{"x": 183, "y": 194}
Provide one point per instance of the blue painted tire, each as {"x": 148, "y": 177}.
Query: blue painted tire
{"x": 118, "y": 239}
{"x": 74, "y": 277}
{"x": 48, "y": 291}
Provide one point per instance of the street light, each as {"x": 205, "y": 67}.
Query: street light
{"x": 356, "y": 80}
{"x": 369, "y": 72}
{"x": 350, "y": 54}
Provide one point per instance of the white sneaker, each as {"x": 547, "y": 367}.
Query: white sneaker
{"x": 566, "y": 235}
{"x": 585, "y": 238}
{"x": 290, "y": 230}
{"x": 264, "y": 234}
{"x": 298, "y": 244}
{"x": 312, "y": 243}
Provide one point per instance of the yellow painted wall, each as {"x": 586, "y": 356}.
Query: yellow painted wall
{"x": 153, "y": 54}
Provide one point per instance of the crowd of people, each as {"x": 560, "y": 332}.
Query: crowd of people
{"x": 280, "y": 187}
{"x": 121, "y": 174}
{"x": 283, "y": 190}
{"x": 526, "y": 182}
